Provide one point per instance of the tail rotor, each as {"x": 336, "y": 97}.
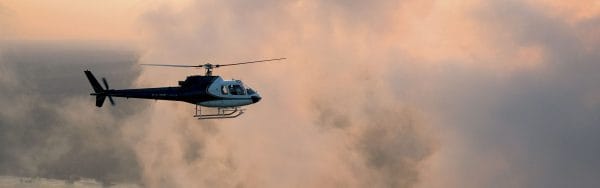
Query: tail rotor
{"x": 110, "y": 99}
{"x": 99, "y": 92}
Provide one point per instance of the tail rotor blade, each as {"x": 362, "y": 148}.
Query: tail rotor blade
{"x": 110, "y": 99}
{"x": 105, "y": 83}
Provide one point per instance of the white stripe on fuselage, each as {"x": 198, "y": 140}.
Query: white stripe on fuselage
{"x": 226, "y": 103}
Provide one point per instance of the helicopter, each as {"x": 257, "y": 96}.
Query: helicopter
{"x": 203, "y": 91}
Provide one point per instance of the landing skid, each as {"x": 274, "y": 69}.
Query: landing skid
{"x": 222, "y": 113}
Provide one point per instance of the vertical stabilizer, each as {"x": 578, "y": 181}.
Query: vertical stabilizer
{"x": 100, "y": 97}
{"x": 94, "y": 82}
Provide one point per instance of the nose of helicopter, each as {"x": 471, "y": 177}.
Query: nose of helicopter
{"x": 256, "y": 98}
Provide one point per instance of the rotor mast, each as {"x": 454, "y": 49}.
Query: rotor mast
{"x": 209, "y": 67}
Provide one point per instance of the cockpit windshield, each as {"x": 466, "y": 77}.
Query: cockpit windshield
{"x": 237, "y": 89}
{"x": 250, "y": 91}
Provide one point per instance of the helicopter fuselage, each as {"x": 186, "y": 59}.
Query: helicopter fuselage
{"x": 207, "y": 91}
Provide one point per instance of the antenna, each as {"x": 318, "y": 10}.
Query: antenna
{"x": 209, "y": 67}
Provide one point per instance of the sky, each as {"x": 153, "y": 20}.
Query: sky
{"x": 470, "y": 93}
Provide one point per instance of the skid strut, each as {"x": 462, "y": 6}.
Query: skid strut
{"x": 222, "y": 113}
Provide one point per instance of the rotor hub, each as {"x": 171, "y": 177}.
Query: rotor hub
{"x": 209, "y": 68}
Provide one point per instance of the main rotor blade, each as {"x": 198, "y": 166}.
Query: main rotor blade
{"x": 164, "y": 65}
{"x": 105, "y": 83}
{"x": 249, "y": 62}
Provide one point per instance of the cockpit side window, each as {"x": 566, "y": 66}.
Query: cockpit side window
{"x": 224, "y": 90}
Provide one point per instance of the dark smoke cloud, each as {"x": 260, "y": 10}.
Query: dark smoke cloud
{"x": 49, "y": 126}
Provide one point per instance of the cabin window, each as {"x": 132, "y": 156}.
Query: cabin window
{"x": 224, "y": 90}
{"x": 237, "y": 90}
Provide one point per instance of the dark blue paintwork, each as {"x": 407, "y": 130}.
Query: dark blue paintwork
{"x": 192, "y": 90}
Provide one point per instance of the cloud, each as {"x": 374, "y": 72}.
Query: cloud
{"x": 379, "y": 94}
{"x": 48, "y": 128}
{"x": 320, "y": 125}
{"x": 532, "y": 127}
